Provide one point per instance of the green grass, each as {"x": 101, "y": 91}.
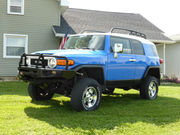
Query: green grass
{"x": 123, "y": 113}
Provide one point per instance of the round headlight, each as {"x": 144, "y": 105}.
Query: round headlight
{"x": 52, "y": 62}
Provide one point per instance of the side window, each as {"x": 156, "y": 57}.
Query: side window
{"x": 124, "y": 42}
{"x": 137, "y": 47}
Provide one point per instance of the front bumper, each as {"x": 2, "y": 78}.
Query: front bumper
{"x": 30, "y": 74}
{"x": 40, "y": 72}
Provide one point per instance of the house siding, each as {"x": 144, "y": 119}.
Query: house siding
{"x": 36, "y": 22}
{"x": 172, "y": 59}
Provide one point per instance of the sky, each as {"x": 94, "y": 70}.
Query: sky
{"x": 165, "y": 14}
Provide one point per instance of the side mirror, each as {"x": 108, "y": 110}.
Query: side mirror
{"x": 118, "y": 48}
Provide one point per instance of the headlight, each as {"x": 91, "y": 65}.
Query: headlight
{"x": 52, "y": 62}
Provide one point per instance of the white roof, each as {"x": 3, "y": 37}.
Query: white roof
{"x": 142, "y": 40}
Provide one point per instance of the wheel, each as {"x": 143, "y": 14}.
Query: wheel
{"x": 86, "y": 95}
{"x": 109, "y": 91}
{"x": 149, "y": 88}
{"x": 39, "y": 91}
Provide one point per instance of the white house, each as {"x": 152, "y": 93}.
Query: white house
{"x": 171, "y": 55}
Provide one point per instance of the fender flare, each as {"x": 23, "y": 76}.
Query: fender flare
{"x": 76, "y": 69}
{"x": 152, "y": 67}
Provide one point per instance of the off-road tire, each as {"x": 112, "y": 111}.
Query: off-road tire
{"x": 36, "y": 93}
{"x": 145, "y": 88}
{"x": 79, "y": 92}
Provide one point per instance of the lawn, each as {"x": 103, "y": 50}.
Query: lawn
{"x": 122, "y": 113}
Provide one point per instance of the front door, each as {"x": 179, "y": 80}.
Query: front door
{"x": 123, "y": 67}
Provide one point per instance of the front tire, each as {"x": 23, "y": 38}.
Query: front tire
{"x": 149, "y": 88}
{"x": 86, "y": 95}
{"x": 39, "y": 91}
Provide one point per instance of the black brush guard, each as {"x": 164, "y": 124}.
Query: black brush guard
{"x": 40, "y": 72}
{"x": 40, "y": 58}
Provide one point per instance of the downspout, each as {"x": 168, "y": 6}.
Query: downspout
{"x": 164, "y": 57}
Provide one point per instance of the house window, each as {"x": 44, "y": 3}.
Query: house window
{"x": 15, "y": 7}
{"x": 14, "y": 45}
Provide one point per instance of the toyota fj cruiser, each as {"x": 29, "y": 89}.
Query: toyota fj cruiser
{"x": 91, "y": 64}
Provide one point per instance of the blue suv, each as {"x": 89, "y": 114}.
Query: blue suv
{"x": 91, "y": 64}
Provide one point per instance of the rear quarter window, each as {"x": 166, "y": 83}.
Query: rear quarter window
{"x": 154, "y": 50}
{"x": 150, "y": 50}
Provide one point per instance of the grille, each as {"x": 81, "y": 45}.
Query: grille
{"x": 35, "y": 62}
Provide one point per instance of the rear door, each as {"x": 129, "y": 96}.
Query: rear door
{"x": 140, "y": 58}
{"x": 122, "y": 67}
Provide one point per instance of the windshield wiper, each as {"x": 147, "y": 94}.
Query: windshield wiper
{"x": 72, "y": 48}
{"x": 88, "y": 48}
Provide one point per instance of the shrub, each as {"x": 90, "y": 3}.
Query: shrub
{"x": 172, "y": 79}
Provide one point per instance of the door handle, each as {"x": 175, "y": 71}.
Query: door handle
{"x": 132, "y": 60}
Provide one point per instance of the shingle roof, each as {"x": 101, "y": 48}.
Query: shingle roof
{"x": 76, "y": 20}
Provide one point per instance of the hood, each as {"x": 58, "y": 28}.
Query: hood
{"x": 79, "y": 56}
{"x": 71, "y": 52}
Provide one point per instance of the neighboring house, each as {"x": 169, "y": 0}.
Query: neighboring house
{"x": 172, "y": 55}
{"x": 76, "y": 20}
{"x": 25, "y": 27}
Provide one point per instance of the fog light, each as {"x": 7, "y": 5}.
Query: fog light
{"x": 54, "y": 72}
{"x": 21, "y": 73}
{"x": 28, "y": 61}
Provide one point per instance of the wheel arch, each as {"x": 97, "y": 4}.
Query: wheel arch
{"x": 93, "y": 71}
{"x": 153, "y": 71}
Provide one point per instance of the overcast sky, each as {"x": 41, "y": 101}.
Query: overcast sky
{"x": 165, "y": 14}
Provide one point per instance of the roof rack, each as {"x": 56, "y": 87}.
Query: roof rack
{"x": 86, "y": 31}
{"x": 131, "y": 32}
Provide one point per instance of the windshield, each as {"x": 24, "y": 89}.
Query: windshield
{"x": 95, "y": 42}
